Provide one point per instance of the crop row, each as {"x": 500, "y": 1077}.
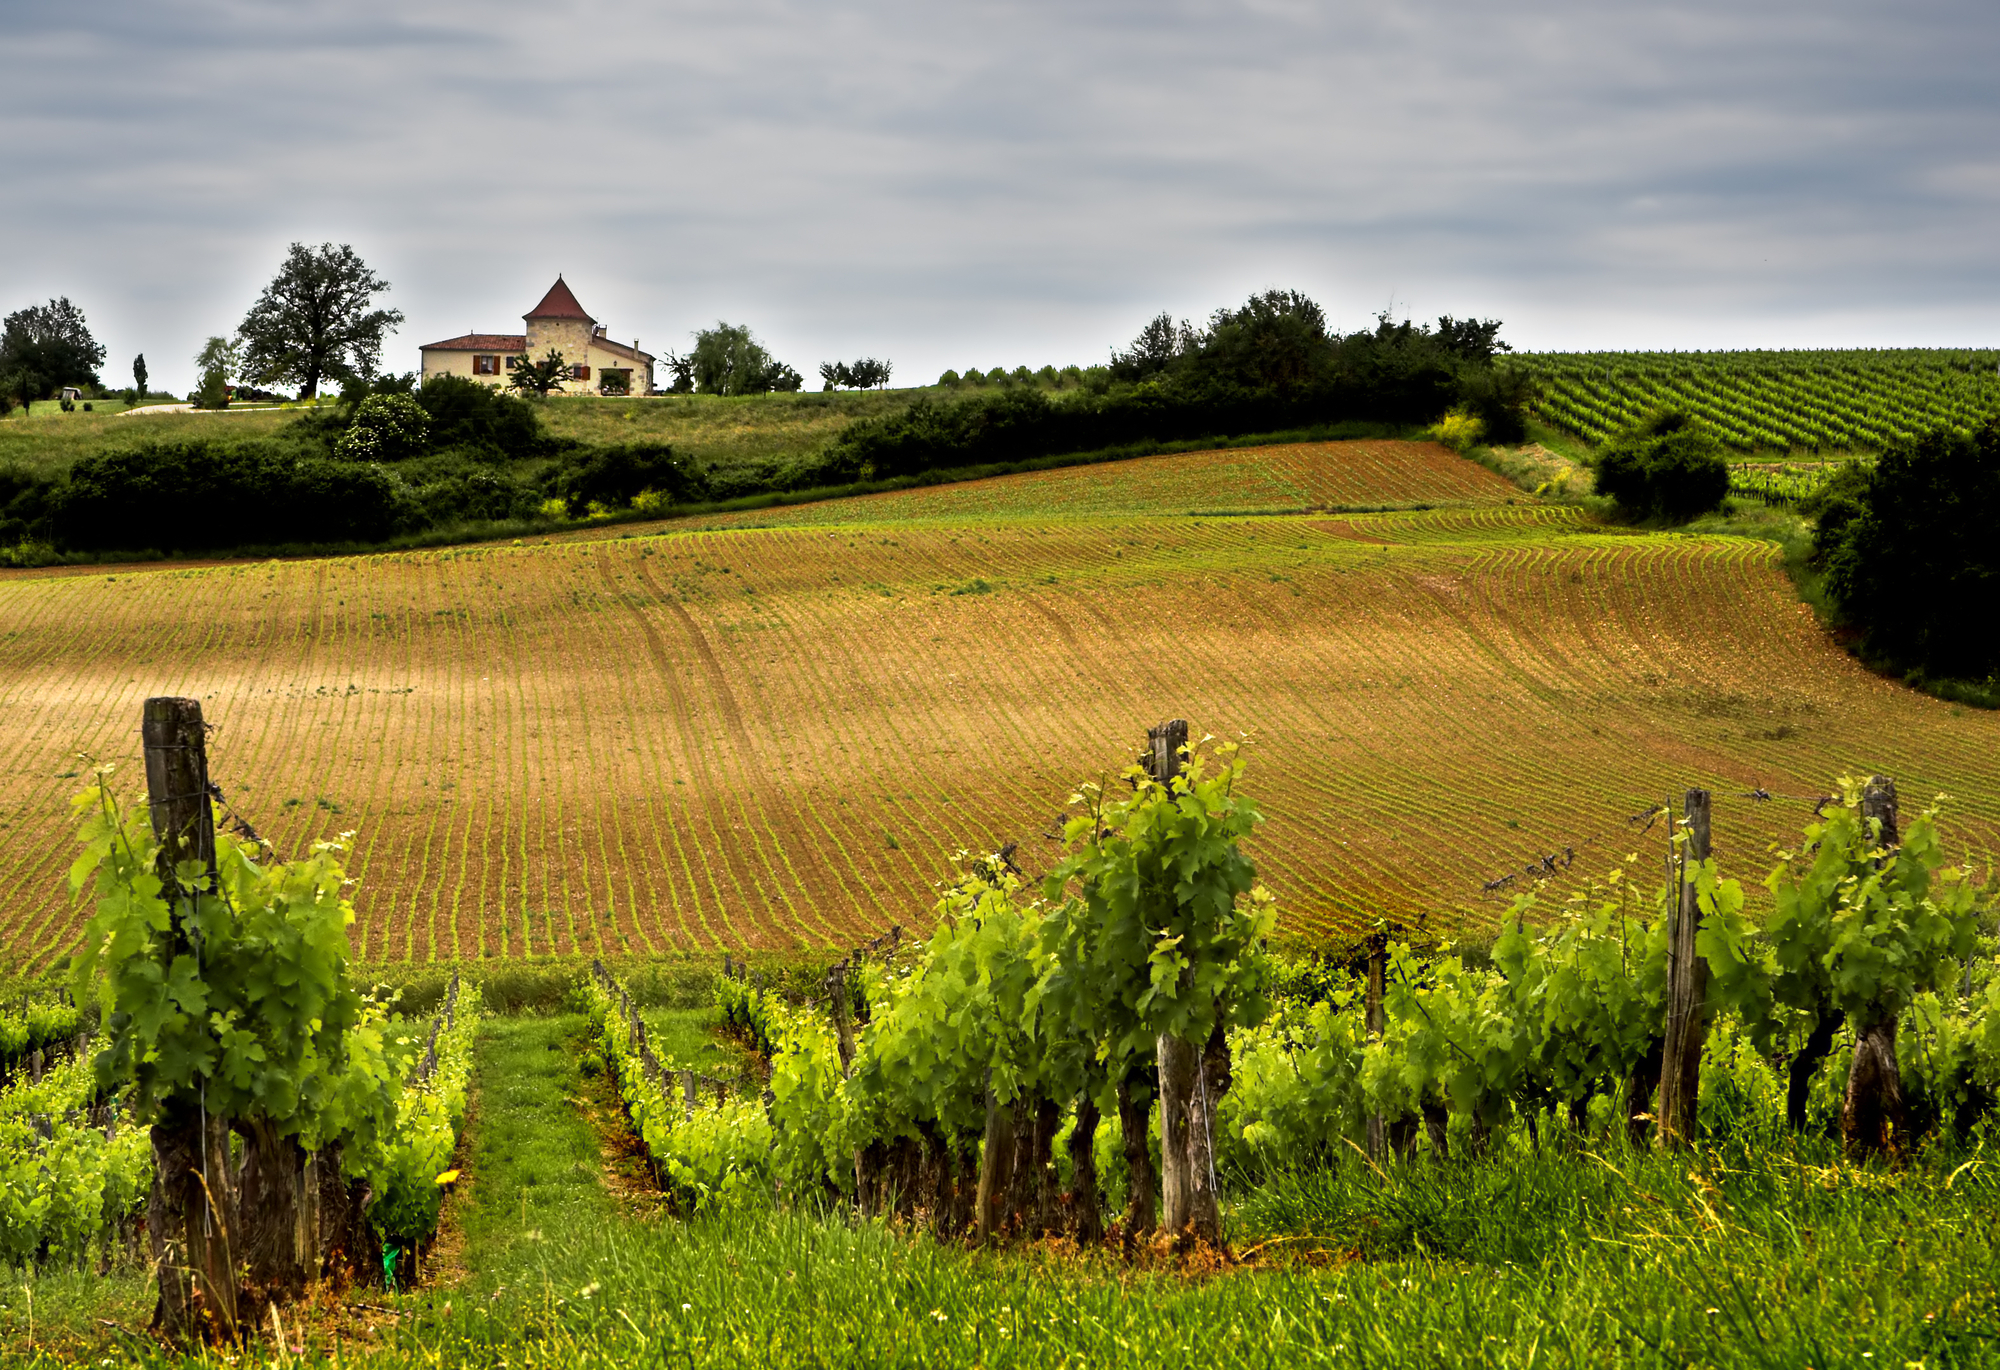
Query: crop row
{"x": 742, "y": 739}
{"x": 1782, "y": 401}
{"x": 71, "y": 1177}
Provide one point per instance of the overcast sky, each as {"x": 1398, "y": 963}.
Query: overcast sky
{"x": 996, "y": 184}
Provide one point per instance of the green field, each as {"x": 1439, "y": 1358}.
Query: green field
{"x": 767, "y": 733}
{"x": 558, "y": 1251}
{"x": 1812, "y": 401}
{"x": 727, "y": 431}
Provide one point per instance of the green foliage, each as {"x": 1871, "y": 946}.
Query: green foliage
{"x": 406, "y": 1160}
{"x": 538, "y": 377}
{"x": 313, "y": 322}
{"x": 480, "y": 421}
{"x": 218, "y": 360}
{"x": 728, "y": 360}
{"x": 1667, "y": 466}
{"x": 1501, "y": 396}
{"x": 615, "y": 476}
{"x": 1911, "y": 555}
{"x": 957, "y": 1023}
{"x": 711, "y": 1155}
{"x": 37, "y": 1023}
{"x": 1452, "y": 1035}
{"x": 204, "y": 493}
{"x": 1295, "y": 1099}
{"x": 1587, "y": 984}
{"x": 235, "y": 993}
{"x": 45, "y": 347}
{"x": 1860, "y": 930}
{"x": 1156, "y": 923}
{"x": 385, "y": 428}
{"x": 1270, "y": 365}
{"x": 61, "y": 1192}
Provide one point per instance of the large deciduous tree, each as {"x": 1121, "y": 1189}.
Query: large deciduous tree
{"x": 728, "y": 360}
{"x": 313, "y": 321}
{"x": 46, "y": 346}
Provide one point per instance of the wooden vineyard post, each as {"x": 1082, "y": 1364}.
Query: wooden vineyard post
{"x": 1871, "y": 1113}
{"x": 1375, "y": 1019}
{"x": 1188, "y": 1203}
{"x": 191, "y": 1216}
{"x": 1165, "y": 743}
{"x": 1687, "y": 988}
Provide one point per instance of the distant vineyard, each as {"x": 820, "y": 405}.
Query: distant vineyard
{"x": 1774, "y": 401}
{"x": 1780, "y": 482}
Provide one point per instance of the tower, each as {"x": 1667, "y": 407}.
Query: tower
{"x": 560, "y": 322}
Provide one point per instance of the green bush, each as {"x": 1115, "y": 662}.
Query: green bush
{"x": 1912, "y": 558}
{"x": 1667, "y": 466}
{"x": 204, "y": 494}
{"x": 480, "y": 419}
{"x": 613, "y": 476}
{"x": 385, "y": 428}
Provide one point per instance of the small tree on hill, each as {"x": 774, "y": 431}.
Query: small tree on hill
{"x": 218, "y": 360}
{"x": 139, "y": 375}
{"x": 538, "y": 378}
{"x": 727, "y": 360}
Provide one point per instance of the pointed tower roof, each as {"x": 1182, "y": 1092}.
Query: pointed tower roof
{"x": 558, "y": 304}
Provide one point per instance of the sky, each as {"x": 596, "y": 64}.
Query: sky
{"x": 967, "y": 184}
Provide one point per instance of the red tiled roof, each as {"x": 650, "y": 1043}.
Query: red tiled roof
{"x": 558, "y": 304}
{"x": 480, "y": 342}
{"x": 620, "y": 349}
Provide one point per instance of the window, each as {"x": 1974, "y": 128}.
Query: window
{"x": 579, "y": 372}
{"x": 485, "y": 365}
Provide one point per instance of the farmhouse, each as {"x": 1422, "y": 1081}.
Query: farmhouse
{"x": 597, "y": 365}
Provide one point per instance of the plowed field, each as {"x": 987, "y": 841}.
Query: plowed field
{"x": 1294, "y": 477}
{"x": 777, "y": 736}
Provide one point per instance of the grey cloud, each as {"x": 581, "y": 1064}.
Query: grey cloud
{"x": 999, "y": 183}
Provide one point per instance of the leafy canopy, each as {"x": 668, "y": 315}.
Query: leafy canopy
{"x": 1669, "y": 465}
{"x": 314, "y": 321}
{"x": 44, "y": 347}
{"x": 1157, "y": 924}
{"x": 235, "y": 992}
{"x": 1912, "y": 557}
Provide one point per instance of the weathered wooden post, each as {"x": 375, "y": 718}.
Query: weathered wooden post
{"x": 1187, "y": 1189}
{"x": 996, "y": 1165}
{"x": 191, "y": 1215}
{"x": 1375, "y": 1019}
{"x": 1871, "y": 1113}
{"x": 1687, "y": 988}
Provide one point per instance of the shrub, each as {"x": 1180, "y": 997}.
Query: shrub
{"x": 948, "y": 378}
{"x": 1913, "y": 561}
{"x": 1668, "y": 466}
{"x": 614, "y": 476}
{"x": 1500, "y": 396}
{"x": 1459, "y": 430}
{"x": 25, "y": 501}
{"x": 481, "y": 418}
{"x": 384, "y": 428}
{"x": 206, "y": 494}
{"x": 454, "y": 488}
